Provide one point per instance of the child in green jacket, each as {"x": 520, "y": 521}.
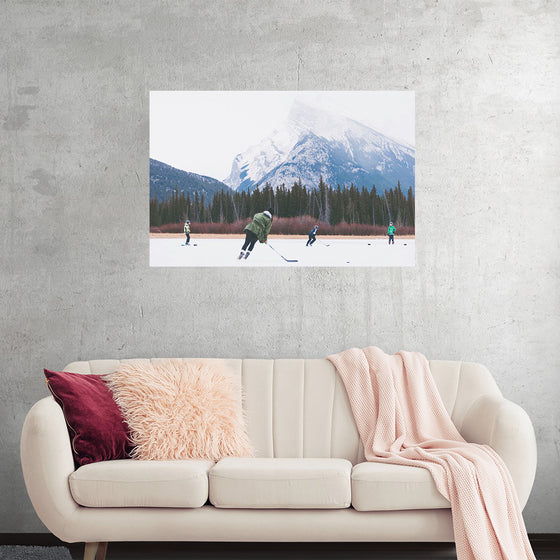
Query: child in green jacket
{"x": 391, "y": 233}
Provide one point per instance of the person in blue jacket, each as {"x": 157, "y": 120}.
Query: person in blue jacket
{"x": 312, "y": 237}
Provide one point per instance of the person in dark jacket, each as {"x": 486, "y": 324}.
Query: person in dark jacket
{"x": 257, "y": 230}
{"x": 311, "y": 236}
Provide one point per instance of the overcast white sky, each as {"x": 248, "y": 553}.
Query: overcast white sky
{"x": 202, "y": 131}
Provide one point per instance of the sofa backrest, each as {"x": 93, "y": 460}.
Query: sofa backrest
{"x": 299, "y": 407}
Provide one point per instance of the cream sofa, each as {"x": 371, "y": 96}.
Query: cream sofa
{"x": 308, "y": 481}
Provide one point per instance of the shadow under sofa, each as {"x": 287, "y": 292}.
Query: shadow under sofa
{"x": 308, "y": 481}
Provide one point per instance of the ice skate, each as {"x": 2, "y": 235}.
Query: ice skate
{"x": 247, "y": 254}
{"x": 241, "y": 255}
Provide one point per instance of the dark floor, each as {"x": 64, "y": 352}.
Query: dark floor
{"x": 276, "y": 551}
{"x": 546, "y": 547}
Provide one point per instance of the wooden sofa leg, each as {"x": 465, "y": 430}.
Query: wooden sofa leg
{"x": 101, "y": 551}
{"x": 95, "y": 551}
{"x": 90, "y": 551}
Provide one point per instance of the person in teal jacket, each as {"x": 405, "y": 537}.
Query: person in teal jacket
{"x": 391, "y": 233}
{"x": 257, "y": 230}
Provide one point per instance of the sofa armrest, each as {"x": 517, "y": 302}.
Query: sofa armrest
{"x": 47, "y": 461}
{"x": 506, "y": 427}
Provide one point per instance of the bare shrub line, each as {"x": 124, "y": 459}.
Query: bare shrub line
{"x": 286, "y": 226}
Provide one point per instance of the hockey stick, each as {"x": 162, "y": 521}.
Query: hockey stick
{"x": 323, "y": 242}
{"x": 287, "y": 260}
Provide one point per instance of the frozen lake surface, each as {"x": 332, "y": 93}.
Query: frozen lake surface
{"x": 346, "y": 252}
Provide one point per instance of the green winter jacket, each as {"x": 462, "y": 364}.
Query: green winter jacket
{"x": 260, "y": 226}
{"x": 391, "y": 230}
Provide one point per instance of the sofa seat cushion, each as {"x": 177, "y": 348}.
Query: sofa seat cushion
{"x": 135, "y": 483}
{"x": 382, "y": 486}
{"x": 280, "y": 483}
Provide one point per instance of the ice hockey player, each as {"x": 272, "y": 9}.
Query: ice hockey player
{"x": 312, "y": 237}
{"x": 391, "y": 233}
{"x": 187, "y": 230}
{"x": 257, "y": 230}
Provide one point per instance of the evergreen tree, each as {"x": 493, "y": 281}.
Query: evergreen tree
{"x": 351, "y": 204}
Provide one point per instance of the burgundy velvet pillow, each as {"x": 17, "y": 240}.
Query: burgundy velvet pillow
{"x": 95, "y": 423}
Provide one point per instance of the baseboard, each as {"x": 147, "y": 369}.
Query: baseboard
{"x": 30, "y": 539}
{"x": 549, "y": 538}
{"x": 48, "y": 539}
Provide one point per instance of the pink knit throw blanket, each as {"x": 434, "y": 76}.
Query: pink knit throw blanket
{"x": 401, "y": 420}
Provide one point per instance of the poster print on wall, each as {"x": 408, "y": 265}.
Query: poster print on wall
{"x": 282, "y": 179}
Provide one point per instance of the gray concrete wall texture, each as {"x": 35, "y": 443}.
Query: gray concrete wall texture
{"x": 75, "y": 281}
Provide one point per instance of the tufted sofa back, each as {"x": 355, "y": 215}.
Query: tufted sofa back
{"x": 299, "y": 407}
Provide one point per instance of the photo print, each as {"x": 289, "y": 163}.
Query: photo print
{"x": 282, "y": 178}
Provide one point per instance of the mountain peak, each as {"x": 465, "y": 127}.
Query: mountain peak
{"x": 340, "y": 149}
{"x": 304, "y": 117}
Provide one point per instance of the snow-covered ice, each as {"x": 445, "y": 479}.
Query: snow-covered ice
{"x": 374, "y": 252}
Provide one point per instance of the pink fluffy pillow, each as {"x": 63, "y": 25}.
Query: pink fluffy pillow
{"x": 181, "y": 409}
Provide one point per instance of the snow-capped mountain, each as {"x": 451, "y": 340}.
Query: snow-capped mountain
{"x": 314, "y": 143}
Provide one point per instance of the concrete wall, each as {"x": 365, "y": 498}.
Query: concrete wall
{"x": 75, "y": 280}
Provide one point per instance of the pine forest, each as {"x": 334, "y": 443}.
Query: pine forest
{"x": 341, "y": 210}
